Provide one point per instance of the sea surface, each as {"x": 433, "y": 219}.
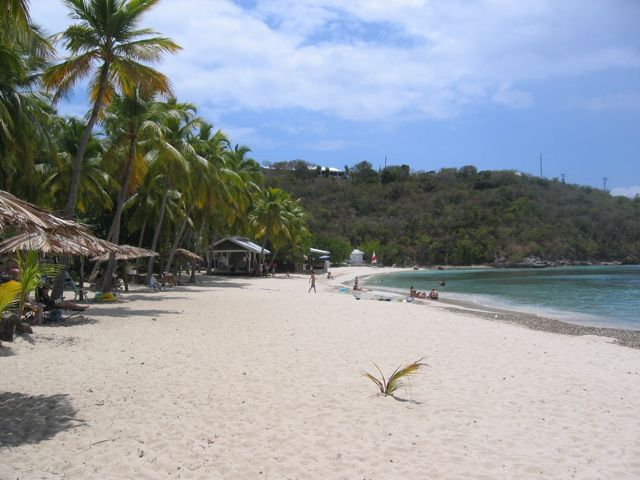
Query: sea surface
{"x": 603, "y": 296}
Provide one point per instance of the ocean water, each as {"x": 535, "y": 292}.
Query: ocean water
{"x": 604, "y": 296}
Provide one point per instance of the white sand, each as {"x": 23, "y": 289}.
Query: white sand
{"x": 255, "y": 378}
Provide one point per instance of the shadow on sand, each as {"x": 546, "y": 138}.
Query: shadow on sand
{"x": 5, "y": 351}
{"x": 124, "y": 311}
{"x": 70, "y": 321}
{"x": 148, "y": 297}
{"x": 26, "y": 419}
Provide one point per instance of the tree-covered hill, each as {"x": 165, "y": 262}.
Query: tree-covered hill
{"x": 461, "y": 216}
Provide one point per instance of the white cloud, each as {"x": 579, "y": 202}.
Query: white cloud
{"x": 630, "y": 192}
{"x": 613, "y": 101}
{"x": 510, "y": 97}
{"x": 382, "y": 60}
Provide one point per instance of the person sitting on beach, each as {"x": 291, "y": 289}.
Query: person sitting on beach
{"x": 155, "y": 284}
{"x": 421, "y": 295}
{"x": 433, "y": 294}
{"x": 49, "y": 303}
{"x": 329, "y": 276}
{"x": 412, "y": 292}
{"x": 356, "y": 284}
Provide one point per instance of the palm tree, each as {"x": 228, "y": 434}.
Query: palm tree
{"x": 271, "y": 217}
{"x": 93, "y": 193}
{"x": 107, "y": 44}
{"x": 171, "y": 150}
{"x": 251, "y": 175}
{"x": 23, "y": 110}
{"x": 296, "y": 234}
{"x": 126, "y": 121}
{"x": 217, "y": 191}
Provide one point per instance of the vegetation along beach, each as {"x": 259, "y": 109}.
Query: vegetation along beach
{"x": 319, "y": 240}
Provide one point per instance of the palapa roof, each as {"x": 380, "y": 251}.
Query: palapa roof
{"x": 187, "y": 255}
{"x": 321, "y": 252}
{"x": 126, "y": 252}
{"x": 237, "y": 244}
{"x": 57, "y": 243}
{"x": 25, "y": 216}
{"x": 40, "y": 230}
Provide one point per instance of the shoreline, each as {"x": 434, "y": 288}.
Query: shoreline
{"x": 622, "y": 336}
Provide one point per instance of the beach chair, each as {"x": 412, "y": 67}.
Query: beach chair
{"x": 71, "y": 285}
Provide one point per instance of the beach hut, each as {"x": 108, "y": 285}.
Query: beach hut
{"x": 356, "y": 257}
{"x": 237, "y": 255}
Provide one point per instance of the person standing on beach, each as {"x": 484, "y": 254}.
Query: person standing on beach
{"x": 312, "y": 281}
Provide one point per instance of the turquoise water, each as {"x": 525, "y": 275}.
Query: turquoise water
{"x": 602, "y": 296}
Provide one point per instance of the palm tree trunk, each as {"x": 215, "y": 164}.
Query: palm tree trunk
{"x": 156, "y": 233}
{"x": 210, "y": 260}
{"x": 192, "y": 278}
{"x": 144, "y": 226}
{"x": 84, "y": 141}
{"x": 264, "y": 242}
{"x": 176, "y": 241}
{"x": 273, "y": 261}
{"x": 70, "y": 207}
{"x": 107, "y": 283}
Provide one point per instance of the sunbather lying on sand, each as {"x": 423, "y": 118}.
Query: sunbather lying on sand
{"x": 433, "y": 294}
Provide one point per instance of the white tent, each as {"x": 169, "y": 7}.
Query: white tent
{"x": 356, "y": 257}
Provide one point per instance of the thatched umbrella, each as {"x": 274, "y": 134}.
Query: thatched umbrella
{"x": 126, "y": 252}
{"x": 61, "y": 241}
{"x": 40, "y": 230}
{"x": 58, "y": 243}
{"x": 190, "y": 257}
{"x": 23, "y": 215}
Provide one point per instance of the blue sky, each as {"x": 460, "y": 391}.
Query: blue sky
{"x": 429, "y": 83}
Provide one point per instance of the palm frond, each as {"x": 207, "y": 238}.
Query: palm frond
{"x": 395, "y": 381}
{"x": 9, "y": 295}
{"x": 64, "y": 76}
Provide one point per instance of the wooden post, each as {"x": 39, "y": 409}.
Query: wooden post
{"x": 82, "y": 278}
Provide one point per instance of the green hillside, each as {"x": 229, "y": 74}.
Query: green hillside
{"x": 461, "y": 216}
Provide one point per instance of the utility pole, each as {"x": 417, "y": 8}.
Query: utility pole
{"x": 604, "y": 184}
{"x": 540, "y": 165}
{"x": 562, "y": 176}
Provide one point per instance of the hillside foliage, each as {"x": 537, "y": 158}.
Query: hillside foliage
{"x": 460, "y": 216}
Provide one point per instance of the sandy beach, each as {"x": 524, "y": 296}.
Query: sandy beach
{"x": 238, "y": 378}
